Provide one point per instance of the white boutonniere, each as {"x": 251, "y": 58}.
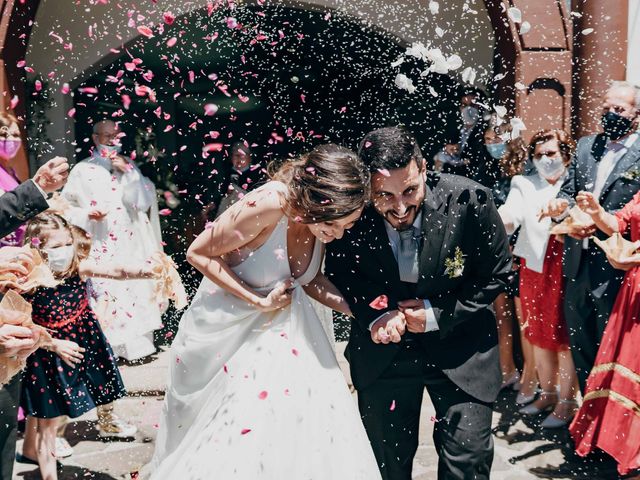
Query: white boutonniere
{"x": 454, "y": 266}
{"x": 633, "y": 174}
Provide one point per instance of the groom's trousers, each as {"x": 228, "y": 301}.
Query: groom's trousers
{"x": 390, "y": 410}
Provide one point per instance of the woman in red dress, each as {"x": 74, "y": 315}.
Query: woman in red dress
{"x": 609, "y": 418}
{"x": 541, "y": 281}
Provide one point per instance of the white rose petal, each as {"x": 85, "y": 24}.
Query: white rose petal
{"x": 432, "y": 91}
{"x": 520, "y": 86}
{"x": 525, "y": 27}
{"x": 418, "y": 50}
{"x": 515, "y": 14}
{"x": 517, "y": 125}
{"x": 469, "y": 75}
{"x": 398, "y": 62}
{"x": 439, "y": 32}
{"x": 434, "y": 7}
{"x": 587, "y": 31}
{"x": 454, "y": 62}
{"x": 500, "y": 110}
{"x": 499, "y": 76}
{"x": 404, "y": 82}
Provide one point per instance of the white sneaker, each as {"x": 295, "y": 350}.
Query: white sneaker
{"x": 63, "y": 449}
{"x": 116, "y": 428}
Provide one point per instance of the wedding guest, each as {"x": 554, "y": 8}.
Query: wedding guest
{"x": 16, "y": 207}
{"x": 464, "y": 154}
{"x": 541, "y": 281}
{"x": 510, "y": 154}
{"x": 117, "y": 205}
{"x": 608, "y": 418}
{"x": 10, "y": 142}
{"x": 79, "y": 371}
{"x": 244, "y": 177}
{"x": 603, "y": 165}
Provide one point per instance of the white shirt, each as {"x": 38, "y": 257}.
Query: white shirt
{"x": 527, "y": 196}
{"x": 394, "y": 239}
{"x": 613, "y": 153}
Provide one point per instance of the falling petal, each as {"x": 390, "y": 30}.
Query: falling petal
{"x": 146, "y": 31}
{"x": 515, "y": 14}
{"x": 434, "y": 7}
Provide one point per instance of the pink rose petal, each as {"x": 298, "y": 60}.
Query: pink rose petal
{"x": 263, "y": 394}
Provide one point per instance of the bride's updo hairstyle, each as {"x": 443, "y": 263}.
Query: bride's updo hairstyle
{"x": 328, "y": 183}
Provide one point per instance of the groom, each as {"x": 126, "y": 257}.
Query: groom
{"x": 420, "y": 271}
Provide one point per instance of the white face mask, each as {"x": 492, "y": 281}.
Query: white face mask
{"x": 60, "y": 258}
{"x": 549, "y": 168}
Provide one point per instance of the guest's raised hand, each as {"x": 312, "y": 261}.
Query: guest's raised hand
{"x": 580, "y": 232}
{"x": 97, "y": 215}
{"x": 554, "y": 208}
{"x": 52, "y": 175}
{"x": 415, "y": 314}
{"x": 277, "y": 298}
{"x": 15, "y": 339}
{"x": 625, "y": 263}
{"x": 389, "y": 328}
{"x": 121, "y": 164}
{"x": 69, "y": 352}
{"x": 588, "y": 203}
{"x": 16, "y": 260}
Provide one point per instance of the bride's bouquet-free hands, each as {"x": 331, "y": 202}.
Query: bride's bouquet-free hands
{"x": 277, "y": 298}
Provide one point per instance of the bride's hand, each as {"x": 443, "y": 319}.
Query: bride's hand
{"x": 277, "y": 298}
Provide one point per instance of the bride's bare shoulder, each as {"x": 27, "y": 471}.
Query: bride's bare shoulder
{"x": 265, "y": 201}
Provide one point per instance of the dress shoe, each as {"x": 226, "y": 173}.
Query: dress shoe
{"x": 512, "y": 381}
{"x": 552, "y": 421}
{"x": 522, "y": 399}
{"x": 532, "y": 409}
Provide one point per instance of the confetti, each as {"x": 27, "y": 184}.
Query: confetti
{"x": 380, "y": 302}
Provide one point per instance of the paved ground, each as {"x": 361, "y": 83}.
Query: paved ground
{"x": 522, "y": 451}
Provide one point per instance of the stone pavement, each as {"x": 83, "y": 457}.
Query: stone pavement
{"x": 522, "y": 451}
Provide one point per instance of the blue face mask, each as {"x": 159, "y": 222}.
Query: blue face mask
{"x": 108, "y": 150}
{"x": 496, "y": 150}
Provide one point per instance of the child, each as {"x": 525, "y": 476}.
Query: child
{"x": 79, "y": 371}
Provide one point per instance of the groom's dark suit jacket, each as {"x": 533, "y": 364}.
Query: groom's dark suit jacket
{"x": 457, "y": 212}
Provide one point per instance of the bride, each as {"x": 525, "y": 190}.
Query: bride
{"x": 254, "y": 388}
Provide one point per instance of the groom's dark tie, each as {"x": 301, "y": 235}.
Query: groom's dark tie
{"x": 408, "y": 256}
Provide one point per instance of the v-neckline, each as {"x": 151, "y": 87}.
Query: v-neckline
{"x": 314, "y": 250}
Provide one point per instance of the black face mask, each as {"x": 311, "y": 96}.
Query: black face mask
{"x": 615, "y": 125}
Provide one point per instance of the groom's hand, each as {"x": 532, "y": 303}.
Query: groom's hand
{"x": 414, "y": 314}
{"x": 388, "y": 328}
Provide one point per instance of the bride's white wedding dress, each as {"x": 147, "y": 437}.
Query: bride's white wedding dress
{"x": 255, "y": 395}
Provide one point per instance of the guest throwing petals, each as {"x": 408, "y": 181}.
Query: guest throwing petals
{"x": 609, "y": 418}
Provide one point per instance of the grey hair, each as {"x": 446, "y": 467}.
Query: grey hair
{"x": 621, "y": 84}
{"x": 97, "y": 125}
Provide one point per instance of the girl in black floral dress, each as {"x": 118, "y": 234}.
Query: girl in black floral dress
{"x": 79, "y": 371}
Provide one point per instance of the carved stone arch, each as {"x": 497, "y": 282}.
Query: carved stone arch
{"x": 527, "y": 61}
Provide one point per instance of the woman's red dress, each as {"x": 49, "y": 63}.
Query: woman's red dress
{"x": 609, "y": 418}
{"x": 542, "y": 296}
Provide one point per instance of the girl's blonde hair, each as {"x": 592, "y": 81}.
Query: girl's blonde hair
{"x": 37, "y": 234}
